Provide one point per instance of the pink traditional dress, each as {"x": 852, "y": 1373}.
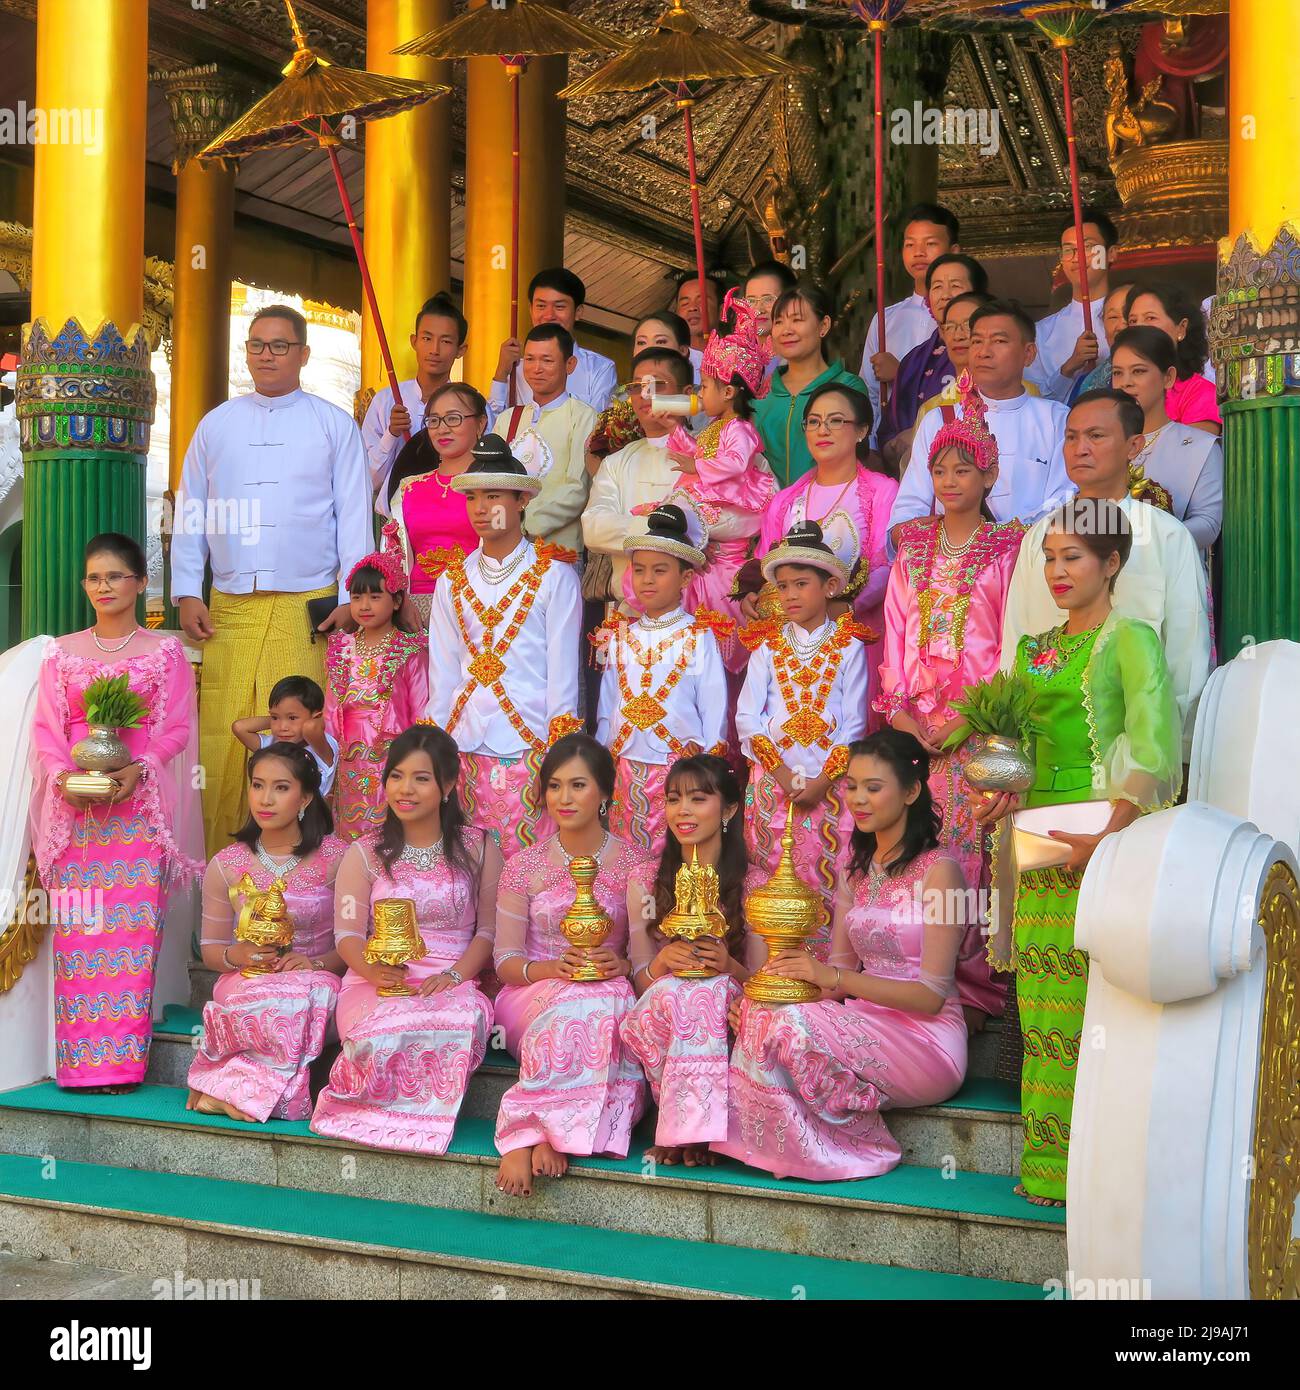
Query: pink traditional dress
{"x": 808, "y": 1081}
{"x": 369, "y": 699}
{"x": 261, "y": 1033}
{"x": 943, "y": 632}
{"x": 678, "y": 1028}
{"x": 406, "y": 1061}
{"x": 854, "y": 518}
{"x": 433, "y": 526}
{"x": 108, "y": 868}
{"x": 579, "y": 1088}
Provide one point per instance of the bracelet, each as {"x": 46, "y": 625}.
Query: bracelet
{"x": 838, "y": 976}
{"x": 454, "y": 975}
{"x": 229, "y": 964}
{"x": 527, "y": 967}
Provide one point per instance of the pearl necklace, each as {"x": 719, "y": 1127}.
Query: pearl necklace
{"x": 120, "y": 646}
{"x": 660, "y": 624}
{"x": 951, "y": 551}
{"x": 422, "y": 857}
{"x": 805, "y": 649}
{"x": 569, "y": 858}
{"x": 280, "y": 871}
{"x": 373, "y": 654}
{"x": 494, "y": 573}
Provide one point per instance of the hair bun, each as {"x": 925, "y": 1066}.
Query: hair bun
{"x": 668, "y": 519}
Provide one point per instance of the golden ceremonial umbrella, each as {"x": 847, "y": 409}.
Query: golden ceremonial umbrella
{"x": 680, "y": 54}
{"x": 513, "y": 31}
{"x": 315, "y": 93}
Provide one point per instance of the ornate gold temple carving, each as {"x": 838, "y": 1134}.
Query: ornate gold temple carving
{"x": 20, "y": 940}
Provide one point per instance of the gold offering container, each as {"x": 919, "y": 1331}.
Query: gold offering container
{"x": 263, "y": 921}
{"x": 696, "y": 911}
{"x": 396, "y": 939}
{"x": 586, "y": 925}
{"x": 787, "y": 914}
{"x": 94, "y": 786}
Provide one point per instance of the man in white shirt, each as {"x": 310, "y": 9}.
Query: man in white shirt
{"x": 555, "y": 296}
{"x": 1163, "y": 581}
{"x": 563, "y": 424}
{"x": 1065, "y": 351}
{"x": 1030, "y": 431}
{"x": 274, "y": 496}
{"x": 438, "y": 343}
{"x": 640, "y": 474}
{"x": 929, "y": 231}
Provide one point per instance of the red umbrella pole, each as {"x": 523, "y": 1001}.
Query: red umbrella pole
{"x": 695, "y": 216}
{"x": 366, "y": 284}
{"x": 1080, "y": 245}
{"x": 515, "y": 67}
{"x": 878, "y": 30}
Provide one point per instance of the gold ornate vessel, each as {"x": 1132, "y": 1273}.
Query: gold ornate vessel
{"x": 787, "y": 914}
{"x": 586, "y": 925}
{"x": 396, "y": 939}
{"x": 695, "y": 913}
{"x": 263, "y": 920}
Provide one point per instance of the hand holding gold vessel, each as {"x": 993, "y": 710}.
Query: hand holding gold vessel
{"x": 263, "y": 923}
{"x": 586, "y": 925}
{"x": 394, "y": 943}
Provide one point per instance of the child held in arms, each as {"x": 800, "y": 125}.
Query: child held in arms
{"x": 555, "y": 427}
{"x": 296, "y": 715}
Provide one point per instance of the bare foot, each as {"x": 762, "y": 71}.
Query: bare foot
{"x": 236, "y": 1113}
{"x": 667, "y": 1154}
{"x": 515, "y": 1175}
{"x": 547, "y": 1163}
{"x": 192, "y": 1100}
{"x": 698, "y": 1156}
{"x": 207, "y": 1105}
{"x": 1037, "y": 1201}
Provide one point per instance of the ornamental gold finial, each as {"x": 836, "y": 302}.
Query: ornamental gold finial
{"x": 787, "y": 914}
{"x": 586, "y": 925}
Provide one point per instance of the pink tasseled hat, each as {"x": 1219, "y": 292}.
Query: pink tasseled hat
{"x": 387, "y": 560}
{"x": 969, "y": 432}
{"x": 742, "y": 352}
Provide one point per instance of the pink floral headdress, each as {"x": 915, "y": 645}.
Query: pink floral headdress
{"x": 970, "y": 433}
{"x": 387, "y": 560}
{"x": 742, "y": 352}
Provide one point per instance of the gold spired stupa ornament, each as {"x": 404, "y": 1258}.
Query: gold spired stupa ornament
{"x": 696, "y": 911}
{"x": 396, "y": 939}
{"x": 787, "y": 914}
{"x": 586, "y": 925}
{"x": 263, "y": 920}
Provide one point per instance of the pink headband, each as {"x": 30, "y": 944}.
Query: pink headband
{"x": 969, "y": 433}
{"x": 388, "y": 561}
{"x": 742, "y": 352}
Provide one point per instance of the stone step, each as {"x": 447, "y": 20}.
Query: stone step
{"x": 978, "y": 1130}
{"x": 937, "y": 1219}
{"x": 302, "y": 1244}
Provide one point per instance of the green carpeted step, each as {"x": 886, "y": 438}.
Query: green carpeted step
{"x": 978, "y": 1093}
{"x": 537, "y": 1246}
{"x": 979, "y": 1194}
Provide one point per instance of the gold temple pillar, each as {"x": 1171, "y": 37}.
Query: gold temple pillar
{"x": 488, "y": 132}
{"x": 85, "y": 388}
{"x": 408, "y": 188}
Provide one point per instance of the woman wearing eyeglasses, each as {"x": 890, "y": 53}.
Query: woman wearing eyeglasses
{"x": 431, "y": 518}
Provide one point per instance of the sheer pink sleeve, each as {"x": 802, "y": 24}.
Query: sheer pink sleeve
{"x": 168, "y": 796}
{"x": 218, "y": 911}
{"x": 881, "y": 492}
{"x": 842, "y": 955}
{"x": 489, "y": 886}
{"x": 641, "y": 914}
{"x": 512, "y": 911}
{"x": 411, "y": 689}
{"x": 352, "y": 890}
{"x": 893, "y": 658}
{"x": 51, "y": 816}
{"x": 942, "y": 938}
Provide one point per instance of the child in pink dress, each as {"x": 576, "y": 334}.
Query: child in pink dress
{"x": 262, "y": 1032}
{"x": 377, "y": 684}
{"x": 413, "y": 1034}
{"x": 808, "y": 1082}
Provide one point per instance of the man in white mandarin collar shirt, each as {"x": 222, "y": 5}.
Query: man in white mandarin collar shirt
{"x": 275, "y": 498}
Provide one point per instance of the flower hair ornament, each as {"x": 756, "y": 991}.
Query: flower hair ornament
{"x": 969, "y": 433}
{"x": 387, "y": 560}
{"x": 742, "y": 352}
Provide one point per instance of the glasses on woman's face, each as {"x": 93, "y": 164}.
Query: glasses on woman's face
{"x": 114, "y": 580}
{"x": 453, "y": 420}
{"x": 831, "y": 423}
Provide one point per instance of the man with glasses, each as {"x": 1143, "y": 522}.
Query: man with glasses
{"x": 275, "y": 499}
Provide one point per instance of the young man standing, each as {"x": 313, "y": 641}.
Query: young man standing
{"x": 1163, "y": 581}
{"x": 1065, "y": 352}
{"x": 555, "y": 296}
{"x": 1029, "y": 431}
{"x": 438, "y": 343}
{"x": 929, "y": 231}
{"x": 274, "y": 497}
{"x": 562, "y": 425}
{"x": 503, "y": 633}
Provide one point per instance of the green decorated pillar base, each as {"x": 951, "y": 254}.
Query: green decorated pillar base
{"x": 85, "y": 404}
{"x": 1255, "y": 329}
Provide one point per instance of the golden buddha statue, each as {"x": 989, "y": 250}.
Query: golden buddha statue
{"x": 696, "y": 912}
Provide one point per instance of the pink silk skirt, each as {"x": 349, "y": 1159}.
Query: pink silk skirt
{"x": 260, "y": 1037}
{"x": 406, "y": 1063}
{"x": 500, "y": 796}
{"x": 359, "y": 803}
{"x": 820, "y": 834}
{"x": 636, "y": 812}
{"x": 106, "y": 894}
{"x": 808, "y": 1083}
{"x": 579, "y": 1089}
{"x": 678, "y": 1033}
